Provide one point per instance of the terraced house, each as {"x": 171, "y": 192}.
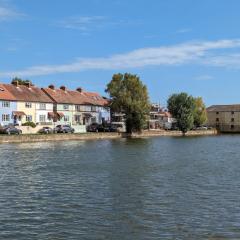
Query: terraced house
{"x": 77, "y": 108}
{"x": 30, "y": 104}
{"x": 8, "y": 106}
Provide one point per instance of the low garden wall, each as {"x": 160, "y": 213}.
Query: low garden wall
{"x": 93, "y": 136}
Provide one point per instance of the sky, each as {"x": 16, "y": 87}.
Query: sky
{"x": 172, "y": 45}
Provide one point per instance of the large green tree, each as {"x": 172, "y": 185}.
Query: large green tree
{"x": 181, "y": 106}
{"x": 200, "y": 113}
{"x": 129, "y": 95}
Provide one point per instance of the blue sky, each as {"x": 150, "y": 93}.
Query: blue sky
{"x": 173, "y": 45}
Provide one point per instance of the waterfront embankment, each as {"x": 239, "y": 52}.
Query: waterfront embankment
{"x": 94, "y": 136}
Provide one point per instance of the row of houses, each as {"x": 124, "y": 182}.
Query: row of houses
{"x": 51, "y": 106}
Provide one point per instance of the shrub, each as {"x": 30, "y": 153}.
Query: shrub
{"x": 30, "y": 124}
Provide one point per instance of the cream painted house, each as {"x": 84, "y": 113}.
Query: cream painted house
{"x": 32, "y": 104}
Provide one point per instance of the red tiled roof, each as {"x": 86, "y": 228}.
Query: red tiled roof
{"x": 75, "y": 97}
{"x": 5, "y": 94}
{"x": 27, "y": 94}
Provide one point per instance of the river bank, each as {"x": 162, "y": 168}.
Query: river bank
{"x": 94, "y": 136}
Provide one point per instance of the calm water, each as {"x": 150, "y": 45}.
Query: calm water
{"x": 157, "y": 188}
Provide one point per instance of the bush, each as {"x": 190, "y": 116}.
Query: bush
{"x": 30, "y": 124}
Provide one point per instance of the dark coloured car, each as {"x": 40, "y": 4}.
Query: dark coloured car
{"x": 46, "y": 130}
{"x": 10, "y": 130}
{"x": 94, "y": 127}
{"x": 63, "y": 129}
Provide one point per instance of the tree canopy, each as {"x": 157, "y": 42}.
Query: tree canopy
{"x": 22, "y": 81}
{"x": 130, "y": 96}
{"x": 200, "y": 113}
{"x": 182, "y": 106}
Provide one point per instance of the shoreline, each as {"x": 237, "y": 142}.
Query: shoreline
{"x": 96, "y": 136}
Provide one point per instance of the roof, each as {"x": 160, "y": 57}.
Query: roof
{"x": 27, "y": 94}
{"x": 224, "y": 108}
{"x": 5, "y": 94}
{"x": 75, "y": 97}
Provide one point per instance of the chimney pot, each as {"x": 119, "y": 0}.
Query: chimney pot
{"x": 79, "y": 89}
{"x": 51, "y": 86}
{"x": 63, "y": 88}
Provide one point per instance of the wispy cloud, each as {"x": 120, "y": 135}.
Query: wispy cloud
{"x": 82, "y": 23}
{"x": 204, "y": 77}
{"x": 7, "y": 12}
{"x": 88, "y": 24}
{"x": 184, "y": 30}
{"x": 204, "y": 52}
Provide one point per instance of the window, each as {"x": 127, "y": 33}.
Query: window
{"x": 6, "y": 117}
{"x": 6, "y": 104}
{"x": 217, "y": 113}
{"x": 66, "y": 118}
{"x": 42, "y": 118}
{"x": 78, "y": 108}
{"x": 77, "y": 118}
{"x": 232, "y": 120}
{"x": 42, "y": 106}
{"x": 232, "y": 112}
{"x": 29, "y": 118}
{"x": 217, "y": 119}
{"x": 232, "y": 127}
{"x": 65, "y": 107}
{"x": 28, "y": 105}
{"x": 93, "y": 108}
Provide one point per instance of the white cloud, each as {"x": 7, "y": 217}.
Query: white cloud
{"x": 228, "y": 60}
{"x": 204, "y": 77}
{"x": 88, "y": 24}
{"x": 184, "y": 30}
{"x": 82, "y": 23}
{"x": 187, "y": 53}
{"x": 8, "y": 12}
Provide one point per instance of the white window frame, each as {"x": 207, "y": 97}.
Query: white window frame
{"x": 5, "y": 117}
{"x": 29, "y": 118}
{"x": 42, "y": 106}
{"x": 28, "y": 105}
{"x": 5, "y": 104}
{"x": 42, "y": 118}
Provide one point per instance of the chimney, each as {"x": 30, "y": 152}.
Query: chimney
{"x": 28, "y": 84}
{"x": 63, "y": 88}
{"x": 79, "y": 89}
{"x": 15, "y": 83}
{"x": 51, "y": 86}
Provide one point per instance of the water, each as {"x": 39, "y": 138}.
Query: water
{"x": 156, "y": 188}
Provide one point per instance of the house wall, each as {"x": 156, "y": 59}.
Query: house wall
{"x": 21, "y": 106}
{"x": 7, "y": 111}
{"x": 40, "y": 111}
{"x": 68, "y": 113}
{"x": 225, "y": 122}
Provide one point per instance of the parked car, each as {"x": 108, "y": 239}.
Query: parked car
{"x": 10, "y": 130}
{"x": 63, "y": 129}
{"x": 202, "y": 128}
{"x": 94, "y": 127}
{"x": 46, "y": 130}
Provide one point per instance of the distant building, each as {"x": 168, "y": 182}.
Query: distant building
{"x": 226, "y": 118}
{"x": 160, "y": 118}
